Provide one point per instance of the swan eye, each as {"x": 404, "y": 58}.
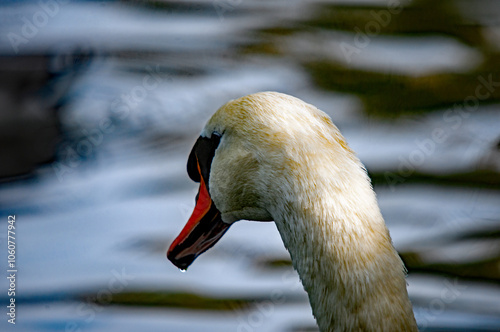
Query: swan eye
{"x": 201, "y": 156}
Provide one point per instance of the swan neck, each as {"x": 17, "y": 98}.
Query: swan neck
{"x": 343, "y": 253}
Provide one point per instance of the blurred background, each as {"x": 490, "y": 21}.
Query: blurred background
{"x": 101, "y": 102}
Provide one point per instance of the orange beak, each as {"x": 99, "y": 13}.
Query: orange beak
{"x": 203, "y": 229}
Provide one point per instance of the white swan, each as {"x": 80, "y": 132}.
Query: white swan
{"x": 270, "y": 156}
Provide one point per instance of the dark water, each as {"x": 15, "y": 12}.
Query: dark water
{"x": 102, "y": 102}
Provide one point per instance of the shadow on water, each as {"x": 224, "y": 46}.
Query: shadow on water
{"x": 102, "y": 102}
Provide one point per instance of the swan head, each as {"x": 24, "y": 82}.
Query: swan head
{"x": 248, "y": 156}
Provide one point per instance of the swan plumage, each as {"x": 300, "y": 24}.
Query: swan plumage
{"x": 270, "y": 156}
